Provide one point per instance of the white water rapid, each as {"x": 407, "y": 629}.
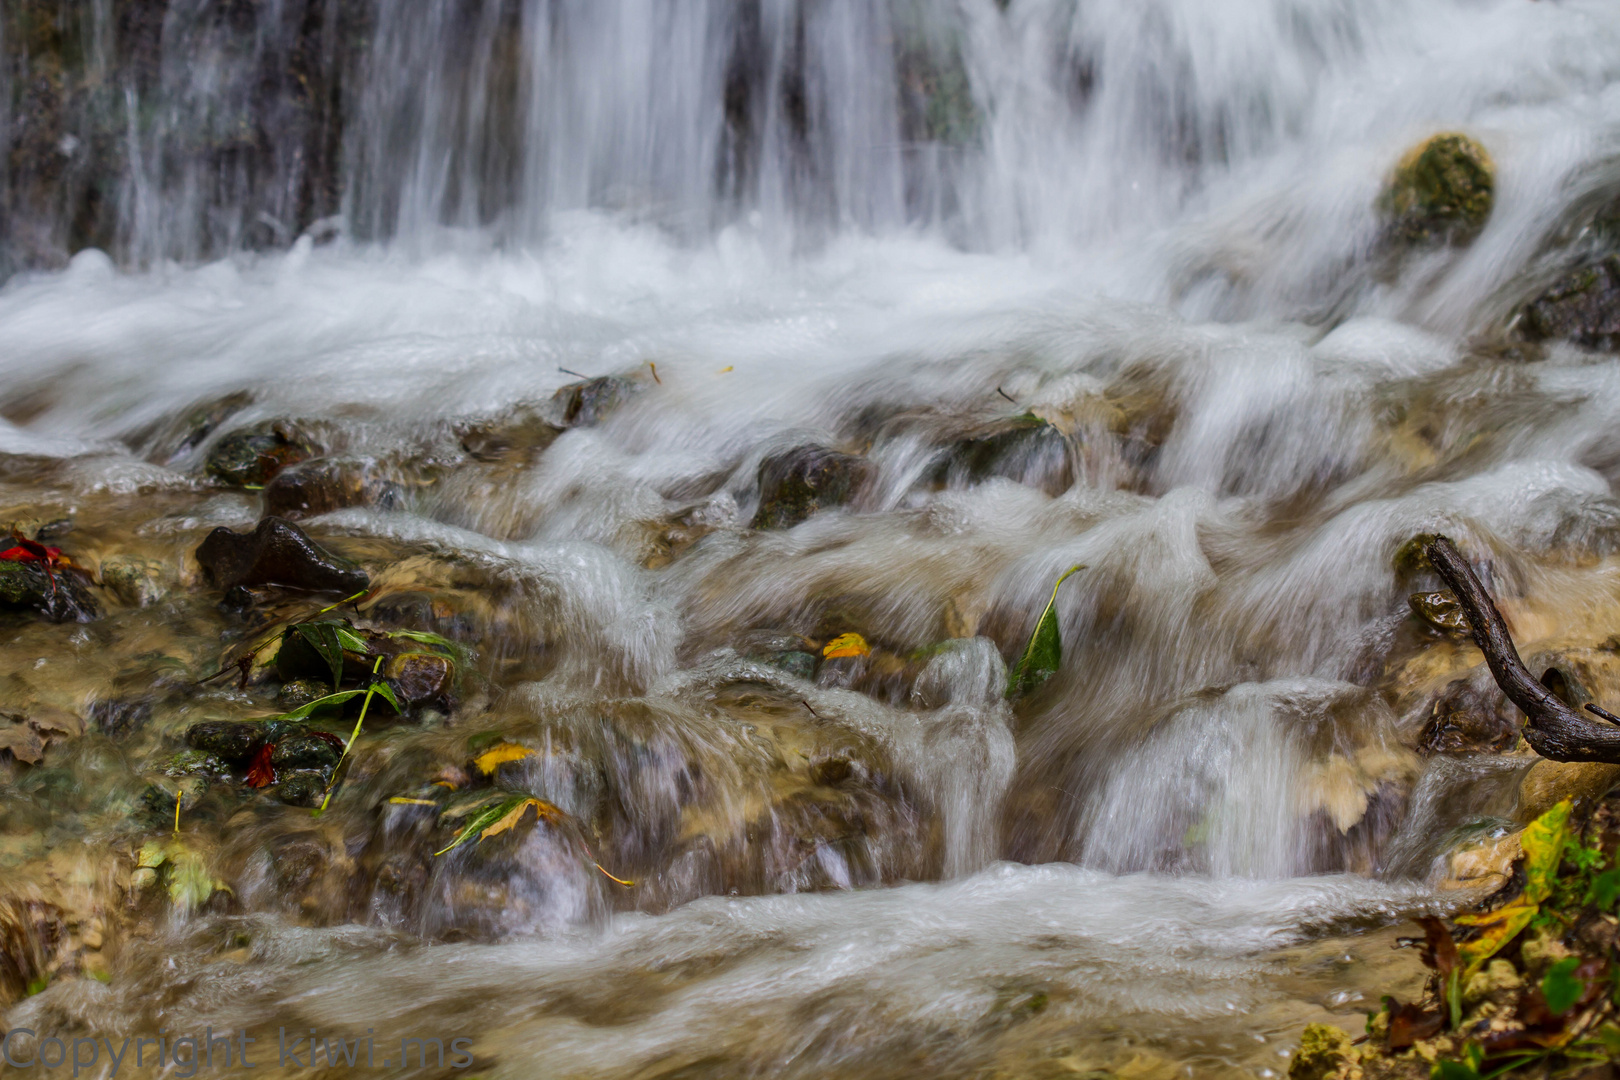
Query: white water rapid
{"x": 879, "y": 226}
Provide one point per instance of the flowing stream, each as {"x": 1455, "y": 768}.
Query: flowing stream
{"x": 884, "y": 227}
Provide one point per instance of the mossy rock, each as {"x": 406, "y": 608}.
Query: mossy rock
{"x": 60, "y": 596}
{"x": 1583, "y": 307}
{"x": 1441, "y": 192}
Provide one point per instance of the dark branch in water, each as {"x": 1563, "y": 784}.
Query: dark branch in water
{"x": 1555, "y": 730}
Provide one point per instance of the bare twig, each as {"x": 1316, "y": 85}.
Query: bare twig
{"x": 1555, "y": 730}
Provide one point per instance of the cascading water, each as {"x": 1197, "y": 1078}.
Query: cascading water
{"x": 1094, "y": 283}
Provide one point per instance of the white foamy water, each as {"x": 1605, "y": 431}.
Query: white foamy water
{"x": 1151, "y": 221}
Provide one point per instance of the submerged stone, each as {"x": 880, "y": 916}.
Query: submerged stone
{"x": 799, "y": 482}
{"x": 136, "y": 581}
{"x": 1023, "y": 448}
{"x": 1582, "y": 308}
{"x": 322, "y": 485}
{"x": 297, "y": 693}
{"x": 516, "y": 437}
{"x": 300, "y": 788}
{"x": 276, "y": 552}
{"x": 1440, "y": 192}
{"x": 308, "y": 751}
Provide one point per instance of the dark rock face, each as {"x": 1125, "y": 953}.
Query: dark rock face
{"x": 517, "y": 437}
{"x": 276, "y": 552}
{"x": 1583, "y": 308}
{"x": 59, "y": 595}
{"x": 249, "y": 459}
{"x": 798, "y": 482}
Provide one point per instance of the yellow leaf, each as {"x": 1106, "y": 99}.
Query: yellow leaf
{"x": 544, "y": 810}
{"x": 500, "y": 754}
{"x": 1543, "y": 842}
{"x": 846, "y": 645}
{"x": 1496, "y": 929}
{"x": 401, "y": 800}
{"x": 723, "y": 370}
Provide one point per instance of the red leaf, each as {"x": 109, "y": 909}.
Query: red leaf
{"x": 261, "y": 773}
{"x": 1439, "y": 950}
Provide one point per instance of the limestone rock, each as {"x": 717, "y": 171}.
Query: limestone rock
{"x": 1549, "y": 782}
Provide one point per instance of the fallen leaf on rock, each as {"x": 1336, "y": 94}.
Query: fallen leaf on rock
{"x": 500, "y": 754}
{"x": 846, "y": 645}
{"x": 261, "y": 773}
{"x": 1044, "y": 653}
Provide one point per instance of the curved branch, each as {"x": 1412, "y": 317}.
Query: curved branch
{"x": 1555, "y": 731}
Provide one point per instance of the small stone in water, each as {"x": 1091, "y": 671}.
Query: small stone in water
{"x": 59, "y": 595}
{"x": 1440, "y": 610}
{"x": 196, "y": 762}
{"x": 304, "y": 752}
{"x": 300, "y": 692}
{"x": 301, "y": 788}
{"x": 234, "y": 741}
{"x": 421, "y": 677}
{"x": 136, "y": 581}
{"x": 584, "y": 404}
{"x": 800, "y": 665}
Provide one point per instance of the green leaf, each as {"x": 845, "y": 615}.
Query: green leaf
{"x": 323, "y": 638}
{"x": 425, "y": 638}
{"x": 1543, "y": 841}
{"x": 1560, "y": 986}
{"x": 386, "y": 692}
{"x": 319, "y": 703}
{"x": 350, "y": 640}
{"x": 485, "y": 818}
{"x": 1453, "y": 1070}
{"x": 1044, "y": 653}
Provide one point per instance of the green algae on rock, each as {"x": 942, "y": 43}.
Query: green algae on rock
{"x": 1583, "y": 308}
{"x": 1442, "y": 191}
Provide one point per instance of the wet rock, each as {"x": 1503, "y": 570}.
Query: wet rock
{"x": 1440, "y": 192}
{"x": 1486, "y": 865}
{"x": 516, "y": 438}
{"x": 1583, "y": 308}
{"x": 299, "y": 752}
{"x": 1023, "y": 448}
{"x": 801, "y": 665}
{"x": 799, "y": 482}
{"x": 59, "y": 594}
{"x": 120, "y": 716}
{"x": 1440, "y": 611}
{"x": 1549, "y": 782}
{"x": 164, "y": 792}
{"x": 196, "y": 763}
{"x": 301, "y": 788}
{"x": 276, "y": 552}
{"x": 251, "y": 459}
{"x": 586, "y": 404}
{"x": 1471, "y": 716}
{"x": 421, "y": 678}
{"x": 322, "y": 485}
{"x": 171, "y": 440}
{"x": 233, "y": 741}
{"x": 297, "y": 693}
{"x": 134, "y": 580}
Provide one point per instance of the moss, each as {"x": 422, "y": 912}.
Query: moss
{"x": 1324, "y": 1051}
{"x": 1441, "y": 192}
